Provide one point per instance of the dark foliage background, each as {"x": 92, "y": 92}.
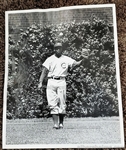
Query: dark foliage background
{"x": 91, "y": 88}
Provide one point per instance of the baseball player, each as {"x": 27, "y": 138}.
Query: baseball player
{"x": 56, "y": 66}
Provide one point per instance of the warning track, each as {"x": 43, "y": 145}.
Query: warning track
{"x": 75, "y": 131}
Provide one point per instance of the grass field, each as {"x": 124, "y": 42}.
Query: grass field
{"x": 75, "y": 131}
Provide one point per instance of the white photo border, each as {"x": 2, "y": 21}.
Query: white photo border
{"x": 4, "y": 146}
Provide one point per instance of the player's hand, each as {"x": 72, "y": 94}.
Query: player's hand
{"x": 39, "y": 85}
{"x": 85, "y": 53}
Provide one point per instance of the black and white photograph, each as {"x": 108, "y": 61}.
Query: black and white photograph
{"x": 62, "y": 80}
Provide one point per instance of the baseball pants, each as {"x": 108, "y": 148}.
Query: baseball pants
{"x": 56, "y": 96}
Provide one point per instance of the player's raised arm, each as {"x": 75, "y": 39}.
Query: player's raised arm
{"x": 76, "y": 64}
{"x": 43, "y": 75}
{"x": 84, "y": 56}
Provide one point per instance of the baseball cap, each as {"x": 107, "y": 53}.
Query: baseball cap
{"x": 58, "y": 44}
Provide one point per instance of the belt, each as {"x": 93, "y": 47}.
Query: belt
{"x": 56, "y": 78}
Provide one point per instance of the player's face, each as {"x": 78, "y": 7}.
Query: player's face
{"x": 58, "y": 51}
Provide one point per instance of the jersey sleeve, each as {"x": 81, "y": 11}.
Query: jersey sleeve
{"x": 46, "y": 63}
{"x": 70, "y": 61}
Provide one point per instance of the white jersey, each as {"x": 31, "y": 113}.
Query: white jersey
{"x": 58, "y": 67}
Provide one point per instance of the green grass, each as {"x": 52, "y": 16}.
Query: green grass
{"x": 75, "y": 131}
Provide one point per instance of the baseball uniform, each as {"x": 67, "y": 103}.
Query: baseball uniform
{"x": 56, "y": 86}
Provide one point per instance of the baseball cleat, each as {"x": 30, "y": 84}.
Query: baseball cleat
{"x": 61, "y": 126}
{"x": 55, "y": 127}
